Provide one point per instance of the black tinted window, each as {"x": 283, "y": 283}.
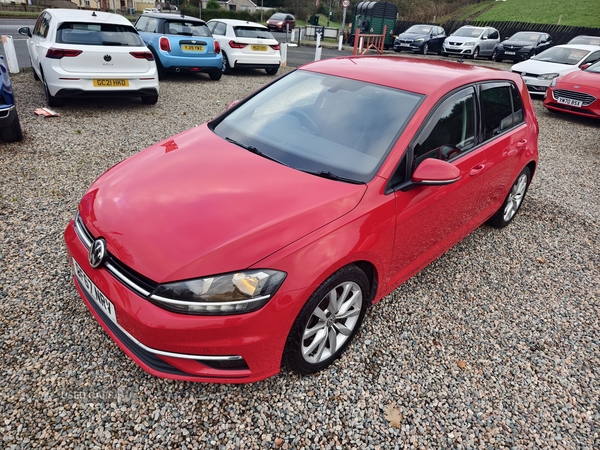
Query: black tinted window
{"x": 252, "y": 32}
{"x": 501, "y": 108}
{"x": 95, "y": 34}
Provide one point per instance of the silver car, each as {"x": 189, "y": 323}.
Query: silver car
{"x": 472, "y": 42}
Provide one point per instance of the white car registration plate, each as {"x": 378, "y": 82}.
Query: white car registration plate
{"x": 99, "y": 298}
{"x": 568, "y": 101}
{"x": 509, "y": 53}
{"x": 404, "y": 44}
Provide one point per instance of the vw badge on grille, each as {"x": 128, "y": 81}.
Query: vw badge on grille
{"x": 97, "y": 253}
{"x": 107, "y": 58}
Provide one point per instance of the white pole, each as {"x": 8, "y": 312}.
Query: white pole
{"x": 11, "y": 54}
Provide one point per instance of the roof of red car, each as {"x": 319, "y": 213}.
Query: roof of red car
{"x": 410, "y": 74}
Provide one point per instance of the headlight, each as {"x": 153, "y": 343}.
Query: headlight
{"x": 527, "y": 47}
{"x": 500, "y": 47}
{"x": 418, "y": 41}
{"x": 547, "y": 76}
{"x": 232, "y": 293}
{"x": 470, "y": 44}
{"x": 553, "y": 82}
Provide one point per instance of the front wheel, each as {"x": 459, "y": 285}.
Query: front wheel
{"x": 425, "y": 48}
{"x": 475, "y": 53}
{"x": 328, "y": 321}
{"x": 495, "y": 57}
{"x": 513, "y": 201}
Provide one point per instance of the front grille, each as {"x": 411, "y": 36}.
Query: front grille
{"x": 585, "y": 99}
{"x": 532, "y": 88}
{"x": 456, "y": 44}
{"x": 128, "y": 277}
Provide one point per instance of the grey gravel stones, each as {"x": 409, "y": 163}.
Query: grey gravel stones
{"x": 494, "y": 345}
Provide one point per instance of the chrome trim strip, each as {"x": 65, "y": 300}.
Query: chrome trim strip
{"x": 183, "y": 303}
{"x": 82, "y": 233}
{"x": 112, "y": 269}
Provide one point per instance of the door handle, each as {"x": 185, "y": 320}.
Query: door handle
{"x": 520, "y": 145}
{"x": 477, "y": 170}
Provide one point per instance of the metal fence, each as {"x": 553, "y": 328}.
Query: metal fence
{"x": 561, "y": 34}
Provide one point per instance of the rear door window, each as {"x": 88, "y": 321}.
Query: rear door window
{"x": 501, "y": 108}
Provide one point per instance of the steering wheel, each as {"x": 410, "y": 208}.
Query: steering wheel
{"x": 449, "y": 152}
{"x": 305, "y": 121}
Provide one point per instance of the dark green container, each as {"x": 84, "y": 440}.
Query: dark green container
{"x": 371, "y": 17}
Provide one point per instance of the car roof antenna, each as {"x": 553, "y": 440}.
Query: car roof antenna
{"x": 93, "y": 13}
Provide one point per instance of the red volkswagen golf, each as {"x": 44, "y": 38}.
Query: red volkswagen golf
{"x": 260, "y": 238}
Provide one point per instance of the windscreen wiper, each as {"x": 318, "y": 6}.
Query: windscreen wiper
{"x": 332, "y": 176}
{"x": 254, "y": 150}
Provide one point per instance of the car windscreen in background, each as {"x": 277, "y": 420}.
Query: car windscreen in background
{"x": 98, "y": 34}
{"x": 252, "y": 32}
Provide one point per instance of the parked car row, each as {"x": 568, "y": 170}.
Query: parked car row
{"x": 77, "y": 53}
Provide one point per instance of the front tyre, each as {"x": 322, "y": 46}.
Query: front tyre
{"x": 513, "y": 201}
{"x": 475, "y": 53}
{"x": 425, "y": 48}
{"x": 328, "y": 321}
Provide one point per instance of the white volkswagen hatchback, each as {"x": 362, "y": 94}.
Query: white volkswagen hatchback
{"x": 539, "y": 71}
{"x": 246, "y": 44}
{"x": 80, "y": 53}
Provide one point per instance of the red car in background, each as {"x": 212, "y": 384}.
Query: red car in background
{"x": 281, "y": 21}
{"x": 576, "y": 93}
{"x": 261, "y": 237}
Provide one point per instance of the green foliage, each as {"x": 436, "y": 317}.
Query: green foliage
{"x": 581, "y": 13}
{"x": 213, "y": 4}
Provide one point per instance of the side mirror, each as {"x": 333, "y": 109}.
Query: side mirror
{"x": 25, "y": 31}
{"x": 435, "y": 172}
{"x": 585, "y": 66}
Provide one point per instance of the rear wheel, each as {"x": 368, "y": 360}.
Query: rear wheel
{"x": 13, "y": 132}
{"x": 272, "y": 71}
{"x": 216, "y": 75}
{"x": 328, "y": 321}
{"x": 513, "y": 201}
{"x": 150, "y": 99}
{"x": 50, "y": 99}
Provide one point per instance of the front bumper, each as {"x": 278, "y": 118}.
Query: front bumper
{"x": 458, "y": 50}
{"x": 226, "y": 349}
{"x": 589, "y": 106}
{"x": 416, "y": 48}
{"x": 523, "y": 55}
{"x": 536, "y": 86}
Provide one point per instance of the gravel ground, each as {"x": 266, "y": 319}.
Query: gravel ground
{"x": 494, "y": 345}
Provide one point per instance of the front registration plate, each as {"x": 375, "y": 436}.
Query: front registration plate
{"x": 568, "y": 101}
{"x": 99, "y": 298}
{"x": 111, "y": 83}
{"x": 192, "y": 48}
{"x": 403, "y": 44}
{"x": 510, "y": 53}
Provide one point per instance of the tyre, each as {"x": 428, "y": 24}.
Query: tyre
{"x": 50, "y": 99}
{"x": 272, "y": 71}
{"x": 513, "y": 201}
{"x": 328, "y": 321}
{"x": 443, "y": 53}
{"x": 160, "y": 70}
{"x": 475, "y": 53}
{"x": 216, "y": 75}
{"x": 13, "y": 132}
{"x": 226, "y": 68}
{"x": 150, "y": 99}
{"x": 495, "y": 57}
{"x": 425, "y": 48}
{"x": 35, "y": 75}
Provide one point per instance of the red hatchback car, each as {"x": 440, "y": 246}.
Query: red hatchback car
{"x": 576, "y": 93}
{"x": 260, "y": 238}
{"x": 281, "y": 22}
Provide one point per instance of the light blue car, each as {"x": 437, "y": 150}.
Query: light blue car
{"x": 180, "y": 44}
{"x": 10, "y": 127}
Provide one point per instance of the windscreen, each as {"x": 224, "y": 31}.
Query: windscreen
{"x": 321, "y": 123}
{"x": 562, "y": 55}
{"x": 468, "y": 32}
